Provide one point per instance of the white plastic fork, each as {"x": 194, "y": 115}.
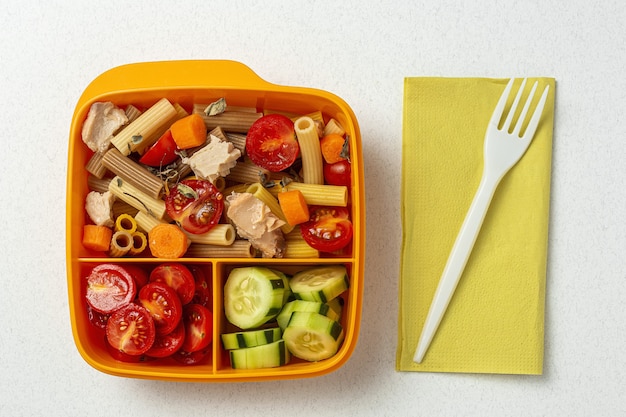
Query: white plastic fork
{"x": 502, "y": 150}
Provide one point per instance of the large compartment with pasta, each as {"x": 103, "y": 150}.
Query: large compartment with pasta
{"x": 129, "y": 228}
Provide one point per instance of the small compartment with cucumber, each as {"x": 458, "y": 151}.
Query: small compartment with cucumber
{"x": 281, "y": 314}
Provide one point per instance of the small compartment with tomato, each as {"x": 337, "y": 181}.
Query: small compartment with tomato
{"x": 135, "y": 315}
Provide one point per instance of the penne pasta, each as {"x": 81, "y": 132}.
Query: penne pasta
{"x": 296, "y": 246}
{"x": 315, "y": 194}
{"x": 125, "y": 222}
{"x": 130, "y": 171}
{"x": 145, "y": 128}
{"x": 180, "y": 113}
{"x": 232, "y": 121}
{"x": 97, "y": 184}
{"x": 220, "y": 235}
{"x": 265, "y": 196}
{"x": 238, "y": 140}
{"x": 121, "y": 207}
{"x": 145, "y": 222}
{"x": 333, "y": 126}
{"x": 308, "y": 139}
{"x": 239, "y": 249}
{"x": 121, "y": 242}
{"x": 136, "y": 198}
{"x": 94, "y": 166}
{"x": 139, "y": 243}
{"x": 132, "y": 113}
{"x": 247, "y": 172}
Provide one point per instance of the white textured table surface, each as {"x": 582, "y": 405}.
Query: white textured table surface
{"x": 360, "y": 51}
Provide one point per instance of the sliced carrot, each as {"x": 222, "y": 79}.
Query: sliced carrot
{"x": 97, "y": 237}
{"x": 332, "y": 145}
{"x": 167, "y": 241}
{"x": 190, "y": 131}
{"x": 294, "y": 207}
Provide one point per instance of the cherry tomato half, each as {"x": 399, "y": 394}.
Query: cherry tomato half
{"x": 168, "y": 344}
{"x": 191, "y": 358}
{"x": 202, "y": 293}
{"x": 176, "y": 276}
{"x": 328, "y": 229}
{"x": 338, "y": 173}
{"x": 195, "y": 204}
{"x": 110, "y": 287}
{"x": 130, "y": 330}
{"x": 271, "y": 142}
{"x": 198, "y": 327}
{"x": 163, "y": 304}
{"x": 163, "y": 151}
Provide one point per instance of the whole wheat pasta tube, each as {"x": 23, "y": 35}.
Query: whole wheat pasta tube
{"x": 145, "y": 128}
{"x": 121, "y": 242}
{"x": 239, "y": 249}
{"x": 132, "y": 172}
{"x": 232, "y": 121}
{"x": 136, "y": 198}
{"x": 247, "y": 172}
{"x": 309, "y": 141}
{"x": 315, "y": 194}
{"x": 220, "y": 235}
{"x": 97, "y": 184}
{"x": 94, "y": 165}
{"x": 238, "y": 140}
{"x": 132, "y": 113}
{"x": 265, "y": 196}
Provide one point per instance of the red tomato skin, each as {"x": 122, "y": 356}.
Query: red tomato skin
{"x": 110, "y": 287}
{"x": 191, "y": 358}
{"x": 176, "y": 276}
{"x": 271, "y": 142}
{"x": 168, "y": 344}
{"x": 139, "y": 275}
{"x": 162, "y": 153}
{"x": 97, "y": 319}
{"x": 202, "y": 293}
{"x": 135, "y": 319}
{"x": 339, "y": 173}
{"x": 196, "y": 214}
{"x": 328, "y": 229}
{"x": 198, "y": 328}
{"x": 163, "y": 304}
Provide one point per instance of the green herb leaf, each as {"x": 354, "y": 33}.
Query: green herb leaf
{"x": 137, "y": 139}
{"x": 187, "y": 191}
{"x": 216, "y": 107}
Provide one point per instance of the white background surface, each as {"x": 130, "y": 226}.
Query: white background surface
{"x": 361, "y": 51}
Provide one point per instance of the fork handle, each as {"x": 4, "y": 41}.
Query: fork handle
{"x": 456, "y": 261}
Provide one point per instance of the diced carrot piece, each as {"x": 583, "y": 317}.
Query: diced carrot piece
{"x": 97, "y": 237}
{"x": 331, "y": 146}
{"x": 294, "y": 207}
{"x": 189, "y": 132}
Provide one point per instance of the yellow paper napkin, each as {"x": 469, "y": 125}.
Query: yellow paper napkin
{"x": 495, "y": 320}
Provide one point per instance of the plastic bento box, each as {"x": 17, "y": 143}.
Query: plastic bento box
{"x": 188, "y": 83}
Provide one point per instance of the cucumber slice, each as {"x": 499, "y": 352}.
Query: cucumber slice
{"x": 336, "y": 304}
{"x": 253, "y": 296}
{"x": 322, "y": 283}
{"x": 305, "y": 306}
{"x": 312, "y": 336}
{"x": 263, "y": 356}
{"x": 250, "y": 338}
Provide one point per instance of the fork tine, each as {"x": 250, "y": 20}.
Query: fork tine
{"x": 509, "y": 118}
{"x": 499, "y": 110}
{"x": 534, "y": 120}
{"x": 522, "y": 116}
